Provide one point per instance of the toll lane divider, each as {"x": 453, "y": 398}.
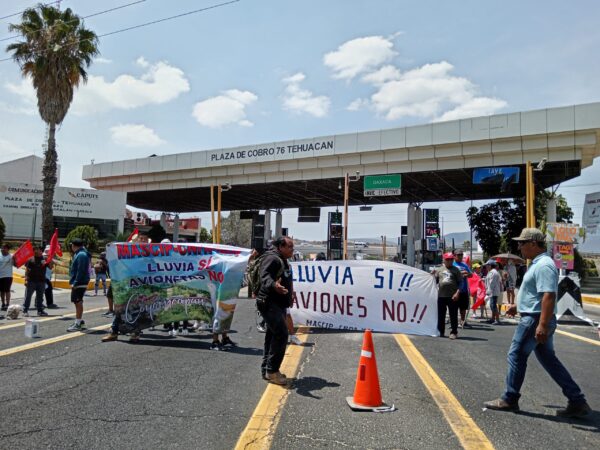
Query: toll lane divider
{"x": 42, "y": 343}
{"x": 466, "y": 430}
{"x": 259, "y": 431}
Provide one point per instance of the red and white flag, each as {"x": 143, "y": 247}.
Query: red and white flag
{"x": 133, "y": 235}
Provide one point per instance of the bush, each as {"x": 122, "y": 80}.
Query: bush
{"x": 88, "y": 234}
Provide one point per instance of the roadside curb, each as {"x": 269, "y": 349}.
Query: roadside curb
{"x": 60, "y": 284}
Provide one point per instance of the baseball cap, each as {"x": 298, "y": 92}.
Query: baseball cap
{"x": 476, "y": 265}
{"x": 491, "y": 262}
{"x": 531, "y": 234}
{"x": 448, "y": 255}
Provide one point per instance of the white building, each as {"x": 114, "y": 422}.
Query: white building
{"x": 21, "y": 199}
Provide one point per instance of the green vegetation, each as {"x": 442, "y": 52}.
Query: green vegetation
{"x": 87, "y": 233}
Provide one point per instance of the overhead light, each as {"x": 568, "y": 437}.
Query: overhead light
{"x": 366, "y": 208}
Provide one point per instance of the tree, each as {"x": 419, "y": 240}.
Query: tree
{"x": 235, "y": 231}
{"x": 54, "y": 54}
{"x": 467, "y": 245}
{"x": 205, "y": 235}
{"x": 157, "y": 233}
{"x": 87, "y": 233}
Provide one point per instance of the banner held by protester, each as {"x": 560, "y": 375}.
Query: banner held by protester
{"x": 356, "y": 295}
{"x": 164, "y": 283}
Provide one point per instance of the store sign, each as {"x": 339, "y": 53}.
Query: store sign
{"x": 564, "y": 256}
{"x": 591, "y": 214}
{"x": 566, "y": 233}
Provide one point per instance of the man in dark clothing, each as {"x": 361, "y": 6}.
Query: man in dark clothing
{"x": 449, "y": 278}
{"x": 35, "y": 279}
{"x": 274, "y": 296}
{"x": 80, "y": 277}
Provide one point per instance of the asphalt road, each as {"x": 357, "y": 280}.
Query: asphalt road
{"x": 167, "y": 392}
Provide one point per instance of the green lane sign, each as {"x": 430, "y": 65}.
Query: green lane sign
{"x": 381, "y": 185}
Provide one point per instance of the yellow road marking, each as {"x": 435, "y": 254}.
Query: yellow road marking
{"x": 47, "y": 319}
{"x": 64, "y": 337}
{"x": 258, "y": 433}
{"x": 464, "y": 427}
{"x": 581, "y": 338}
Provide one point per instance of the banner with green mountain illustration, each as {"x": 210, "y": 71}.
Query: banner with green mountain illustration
{"x": 163, "y": 283}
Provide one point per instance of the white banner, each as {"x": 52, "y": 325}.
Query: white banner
{"x": 591, "y": 214}
{"x": 355, "y": 295}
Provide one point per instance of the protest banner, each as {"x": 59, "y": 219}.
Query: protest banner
{"x": 163, "y": 283}
{"x": 356, "y": 295}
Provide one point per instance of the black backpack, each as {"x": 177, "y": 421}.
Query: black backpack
{"x": 253, "y": 274}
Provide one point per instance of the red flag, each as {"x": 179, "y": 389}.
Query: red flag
{"x": 477, "y": 289}
{"x": 133, "y": 235}
{"x": 467, "y": 260}
{"x": 23, "y": 254}
{"x": 54, "y": 247}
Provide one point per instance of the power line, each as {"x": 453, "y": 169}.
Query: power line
{"x": 84, "y": 17}
{"x": 122, "y": 30}
{"x": 19, "y": 13}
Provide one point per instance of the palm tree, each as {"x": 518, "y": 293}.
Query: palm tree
{"x": 56, "y": 50}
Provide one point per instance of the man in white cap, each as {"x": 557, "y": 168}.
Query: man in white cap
{"x": 536, "y": 304}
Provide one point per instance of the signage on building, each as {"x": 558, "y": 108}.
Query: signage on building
{"x": 382, "y": 185}
{"x": 496, "y": 175}
{"x": 567, "y": 233}
{"x": 591, "y": 214}
{"x": 564, "y": 256}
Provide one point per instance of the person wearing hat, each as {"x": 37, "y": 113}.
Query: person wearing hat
{"x": 80, "y": 277}
{"x": 493, "y": 290}
{"x": 536, "y": 303}
{"x": 449, "y": 278}
{"x": 463, "y": 297}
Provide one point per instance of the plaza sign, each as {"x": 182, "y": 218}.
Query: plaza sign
{"x": 382, "y": 185}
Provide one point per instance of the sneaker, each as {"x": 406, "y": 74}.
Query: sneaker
{"x": 261, "y": 328}
{"x": 4, "y": 308}
{"x": 575, "y": 410}
{"x": 135, "y": 337}
{"x": 42, "y": 313}
{"x": 277, "y": 378}
{"x": 75, "y": 327}
{"x": 110, "y": 337}
{"x": 460, "y": 325}
{"x": 466, "y": 325}
{"x": 452, "y": 336}
{"x": 216, "y": 346}
{"x": 502, "y": 405}
{"x": 227, "y": 342}
{"x": 497, "y": 322}
{"x": 25, "y": 313}
{"x": 174, "y": 332}
{"x": 108, "y": 314}
{"x": 52, "y": 306}
{"x": 294, "y": 340}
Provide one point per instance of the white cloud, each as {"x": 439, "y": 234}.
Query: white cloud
{"x": 160, "y": 84}
{"x": 142, "y": 62}
{"x": 225, "y": 109}
{"x": 101, "y": 60}
{"x": 359, "y": 56}
{"x": 357, "y": 105}
{"x": 427, "y": 92}
{"x": 382, "y": 75}
{"x": 132, "y": 135}
{"x": 301, "y": 100}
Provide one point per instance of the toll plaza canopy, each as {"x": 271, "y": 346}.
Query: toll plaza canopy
{"x": 436, "y": 160}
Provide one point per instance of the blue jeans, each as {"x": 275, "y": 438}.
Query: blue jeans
{"x": 100, "y": 277}
{"x": 523, "y": 343}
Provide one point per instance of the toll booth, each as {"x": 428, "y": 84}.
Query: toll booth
{"x": 335, "y": 236}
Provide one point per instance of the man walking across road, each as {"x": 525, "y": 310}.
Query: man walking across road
{"x": 6, "y": 275}
{"x": 80, "y": 277}
{"x": 274, "y": 296}
{"x": 493, "y": 290}
{"x": 536, "y": 303}
{"x": 463, "y": 297}
{"x": 35, "y": 281}
{"x": 449, "y": 278}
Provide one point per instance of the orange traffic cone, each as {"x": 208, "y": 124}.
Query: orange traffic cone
{"x": 367, "y": 393}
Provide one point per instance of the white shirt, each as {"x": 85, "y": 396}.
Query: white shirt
{"x": 493, "y": 283}
{"x": 6, "y": 266}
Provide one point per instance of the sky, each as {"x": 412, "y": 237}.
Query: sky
{"x": 257, "y": 71}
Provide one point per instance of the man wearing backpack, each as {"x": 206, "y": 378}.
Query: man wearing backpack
{"x": 273, "y": 296}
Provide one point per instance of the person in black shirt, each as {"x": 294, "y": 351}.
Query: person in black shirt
{"x": 274, "y": 296}
{"x": 35, "y": 280}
